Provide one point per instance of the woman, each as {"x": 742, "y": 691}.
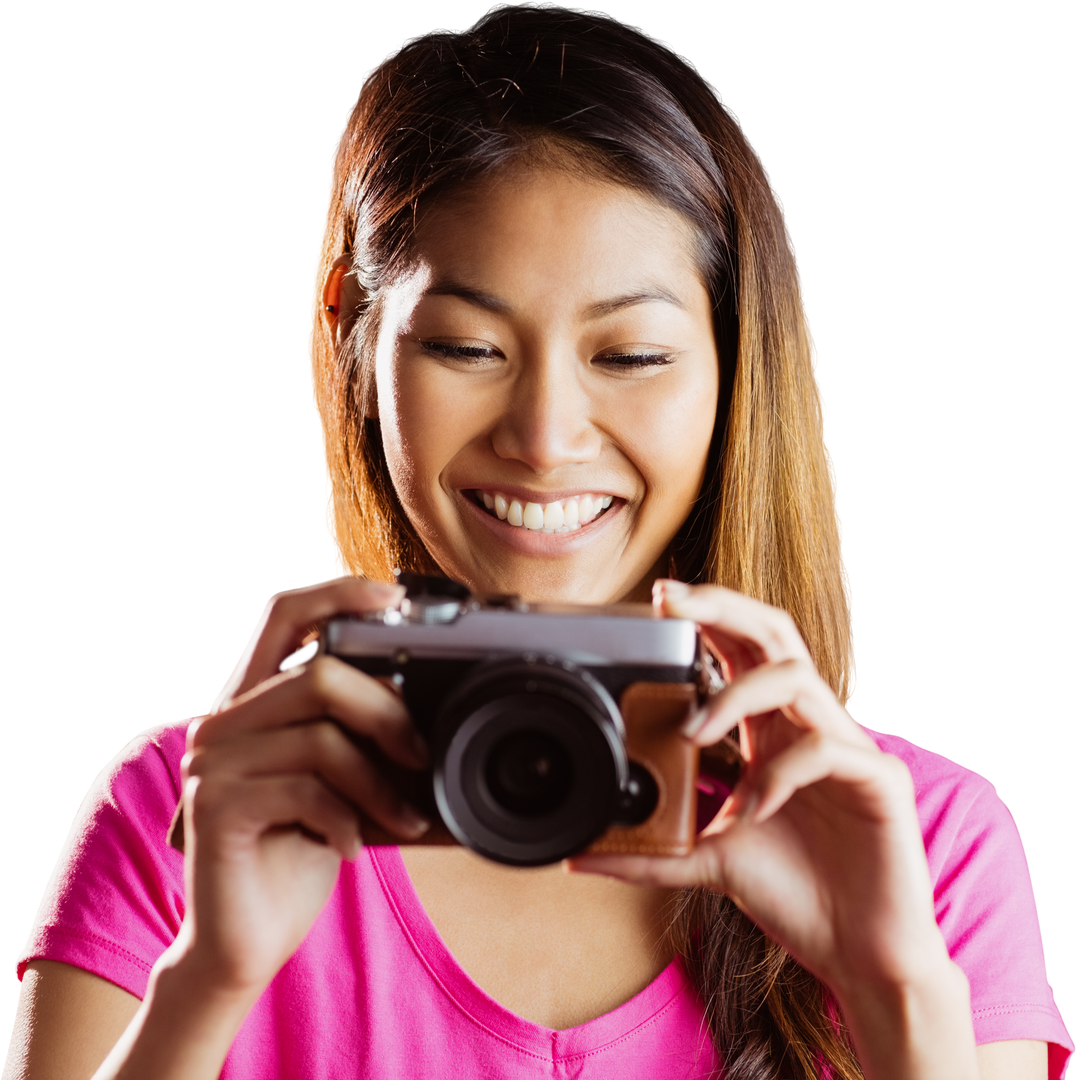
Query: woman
{"x": 560, "y": 353}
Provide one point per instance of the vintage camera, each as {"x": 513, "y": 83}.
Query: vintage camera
{"x": 553, "y": 728}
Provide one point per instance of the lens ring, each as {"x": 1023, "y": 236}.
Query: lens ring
{"x": 550, "y": 703}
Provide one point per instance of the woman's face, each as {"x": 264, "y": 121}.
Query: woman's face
{"x": 547, "y": 386}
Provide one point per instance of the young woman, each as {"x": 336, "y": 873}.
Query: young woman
{"x": 559, "y": 352}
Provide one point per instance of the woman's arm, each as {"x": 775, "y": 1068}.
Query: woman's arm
{"x": 820, "y": 845}
{"x": 272, "y": 791}
{"x": 1016, "y": 1059}
{"x": 72, "y": 1025}
{"x": 68, "y": 1020}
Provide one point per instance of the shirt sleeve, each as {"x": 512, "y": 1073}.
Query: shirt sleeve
{"x": 984, "y": 903}
{"x": 115, "y": 901}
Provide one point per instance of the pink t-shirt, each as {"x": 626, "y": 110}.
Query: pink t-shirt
{"x": 374, "y": 992}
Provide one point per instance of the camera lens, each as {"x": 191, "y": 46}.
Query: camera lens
{"x": 529, "y": 773}
{"x": 529, "y": 761}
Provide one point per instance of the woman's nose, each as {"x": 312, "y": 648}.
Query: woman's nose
{"x": 547, "y": 421}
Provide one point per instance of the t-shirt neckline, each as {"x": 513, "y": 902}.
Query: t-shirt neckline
{"x": 467, "y": 996}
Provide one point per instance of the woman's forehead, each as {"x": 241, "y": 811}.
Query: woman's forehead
{"x": 541, "y": 222}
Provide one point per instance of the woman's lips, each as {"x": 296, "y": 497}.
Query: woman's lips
{"x": 560, "y": 541}
{"x": 557, "y": 516}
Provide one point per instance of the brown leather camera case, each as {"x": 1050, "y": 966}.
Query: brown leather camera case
{"x": 653, "y": 715}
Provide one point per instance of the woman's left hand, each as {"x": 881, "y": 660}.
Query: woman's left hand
{"x": 819, "y": 843}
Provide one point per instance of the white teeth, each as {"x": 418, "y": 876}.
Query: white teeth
{"x": 563, "y": 516}
{"x": 533, "y": 517}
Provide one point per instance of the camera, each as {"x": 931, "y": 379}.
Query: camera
{"x": 553, "y": 728}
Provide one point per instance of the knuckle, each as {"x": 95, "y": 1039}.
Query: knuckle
{"x": 801, "y": 670}
{"x": 320, "y": 678}
{"x": 898, "y": 773}
{"x": 814, "y": 742}
{"x": 769, "y": 637}
{"x": 308, "y": 791}
{"x": 326, "y": 738}
{"x": 279, "y": 605}
{"x": 276, "y": 600}
{"x": 199, "y": 730}
{"x": 780, "y": 632}
{"x": 193, "y": 763}
{"x": 207, "y": 796}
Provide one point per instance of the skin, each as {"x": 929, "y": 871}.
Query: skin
{"x": 592, "y": 368}
{"x": 820, "y": 814}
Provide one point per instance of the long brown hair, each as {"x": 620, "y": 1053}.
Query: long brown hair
{"x": 449, "y": 109}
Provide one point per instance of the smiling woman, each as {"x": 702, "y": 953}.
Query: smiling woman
{"x": 563, "y": 363}
{"x": 559, "y": 353}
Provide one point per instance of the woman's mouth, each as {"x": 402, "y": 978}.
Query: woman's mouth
{"x": 561, "y": 516}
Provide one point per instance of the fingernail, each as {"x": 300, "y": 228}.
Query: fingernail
{"x": 675, "y": 590}
{"x": 747, "y": 809}
{"x": 385, "y": 589}
{"x": 582, "y": 865}
{"x": 694, "y": 723}
{"x": 412, "y": 820}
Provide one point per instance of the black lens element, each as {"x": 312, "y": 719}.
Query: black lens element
{"x": 529, "y": 760}
{"x": 529, "y": 773}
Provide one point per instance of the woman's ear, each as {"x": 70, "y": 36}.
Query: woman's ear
{"x": 334, "y": 287}
{"x": 341, "y": 297}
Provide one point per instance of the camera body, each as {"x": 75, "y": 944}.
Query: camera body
{"x": 553, "y": 728}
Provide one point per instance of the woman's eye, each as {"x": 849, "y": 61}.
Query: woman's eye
{"x": 448, "y": 351}
{"x": 629, "y": 360}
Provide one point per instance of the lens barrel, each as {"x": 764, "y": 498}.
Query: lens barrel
{"x": 529, "y": 760}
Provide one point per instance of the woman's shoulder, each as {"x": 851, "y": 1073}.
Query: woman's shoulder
{"x": 968, "y": 831}
{"x": 115, "y": 901}
{"x": 983, "y": 898}
{"x": 153, "y": 752}
{"x": 140, "y": 786}
{"x": 943, "y": 785}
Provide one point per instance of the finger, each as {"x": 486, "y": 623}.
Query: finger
{"x": 250, "y": 807}
{"x": 809, "y": 760}
{"x": 318, "y": 748}
{"x": 289, "y": 617}
{"x": 792, "y": 686}
{"x": 734, "y": 622}
{"x": 324, "y": 687}
{"x": 704, "y": 866}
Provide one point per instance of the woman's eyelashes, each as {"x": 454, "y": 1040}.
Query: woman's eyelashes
{"x": 634, "y": 359}
{"x": 624, "y": 361}
{"x": 447, "y": 350}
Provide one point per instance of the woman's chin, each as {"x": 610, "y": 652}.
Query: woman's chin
{"x": 591, "y": 566}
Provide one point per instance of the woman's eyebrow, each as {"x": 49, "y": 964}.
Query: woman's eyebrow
{"x": 644, "y": 296}
{"x": 484, "y": 300}
{"x": 597, "y": 310}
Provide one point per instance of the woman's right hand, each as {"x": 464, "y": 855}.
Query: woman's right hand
{"x": 273, "y": 787}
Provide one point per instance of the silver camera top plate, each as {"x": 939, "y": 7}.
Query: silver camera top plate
{"x": 591, "y": 636}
